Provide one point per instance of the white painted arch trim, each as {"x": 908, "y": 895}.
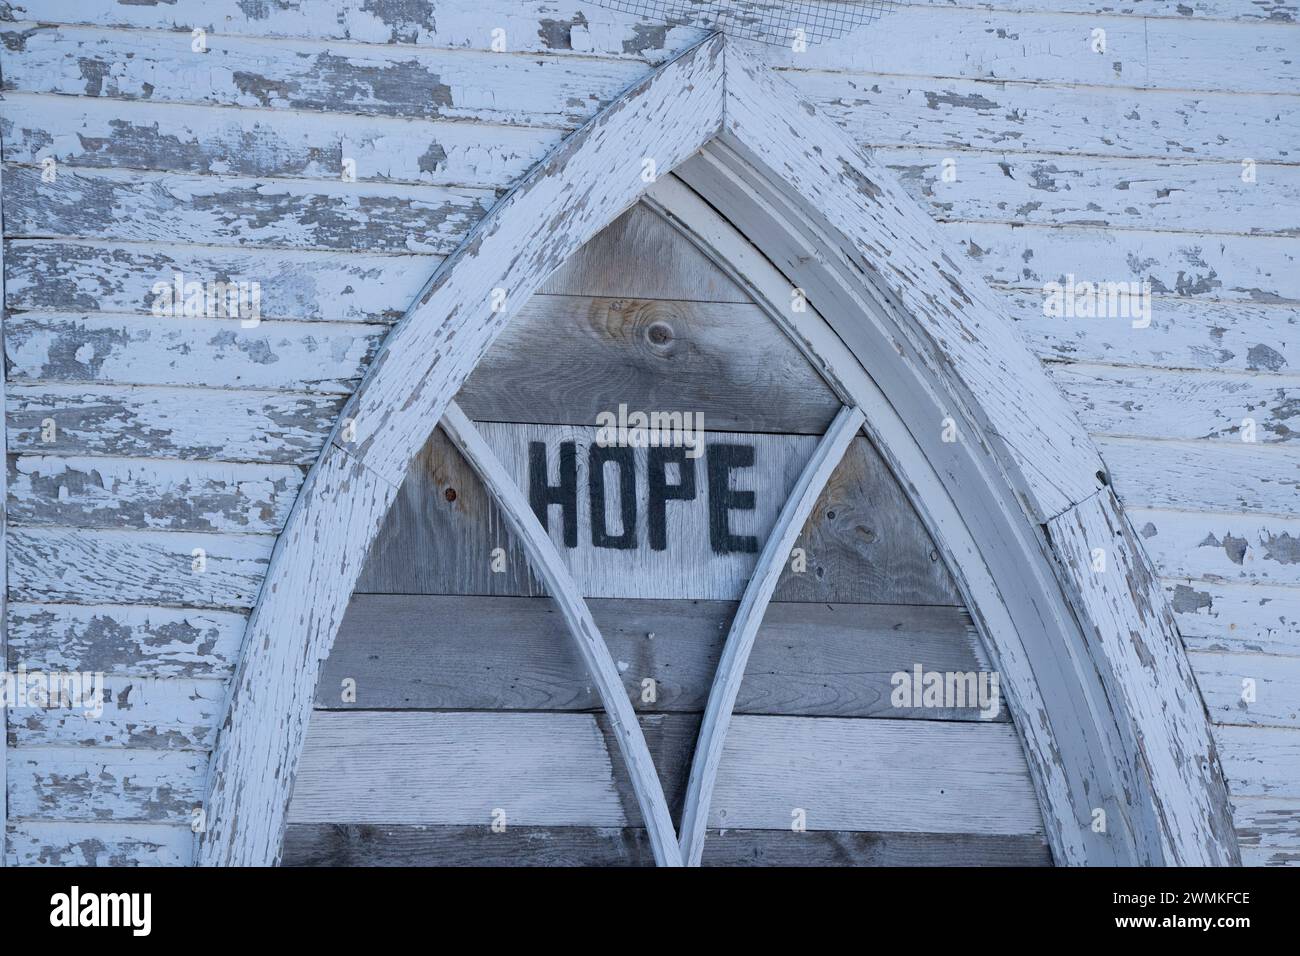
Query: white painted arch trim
{"x": 549, "y": 565}
{"x": 1095, "y": 671}
{"x": 721, "y": 703}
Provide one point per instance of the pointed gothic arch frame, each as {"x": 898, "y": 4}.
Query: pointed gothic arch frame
{"x": 1090, "y": 658}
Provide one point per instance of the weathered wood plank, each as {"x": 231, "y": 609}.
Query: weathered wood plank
{"x": 133, "y": 205}
{"x": 375, "y": 80}
{"x": 150, "y": 495}
{"x": 1216, "y": 547}
{"x": 67, "y": 275}
{"x": 148, "y": 350}
{"x": 864, "y": 543}
{"x": 555, "y": 25}
{"x": 1226, "y": 617}
{"x": 567, "y": 90}
{"x": 996, "y": 186}
{"x": 1077, "y": 120}
{"x": 1054, "y": 48}
{"x": 553, "y": 770}
{"x": 613, "y": 265}
{"x": 563, "y": 357}
{"x": 1257, "y": 690}
{"x": 287, "y": 144}
{"x": 1203, "y": 476}
{"x": 454, "y": 653}
{"x": 32, "y": 843}
{"x": 773, "y": 766}
{"x": 1116, "y": 193}
{"x": 1280, "y": 11}
{"x": 1141, "y": 403}
{"x": 1260, "y": 761}
{"x": 308, "y": 844}
{"x": 532, "y": 26}
{"x": 600, "y": 667}
{"x": 1023, "y": 44}
{"x": 65, "y": 784}
{"x": 132, "y": 420}
{"x": 1269, "y": 831}
{"x": 545, "y": 770}
{"x": 141, "y": 713}
{"x": 1277, "y": 11}
{"x": 326, "y": 214}
{"x": 136, "y": 567}
{"x": 1232, "y": 268}
{"x": 443, "y": 501}
{"x": 1184, "y": 333}
{"x": 71, "y": 276}
{"x": 120, "y": 640}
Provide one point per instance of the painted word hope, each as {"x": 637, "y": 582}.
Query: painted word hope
{"x": 670, "y": 477}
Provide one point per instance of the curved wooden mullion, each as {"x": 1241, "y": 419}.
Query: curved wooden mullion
{"x": 744, "y": 627}
{"x": 548, "y": 563}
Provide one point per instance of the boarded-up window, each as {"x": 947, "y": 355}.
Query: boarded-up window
{"x": 455, "y": 721}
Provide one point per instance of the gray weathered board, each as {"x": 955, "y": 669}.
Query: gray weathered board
{"x": 862, "y": 543}
{"x": 555, "y": 769}
{"x": 448, "y": 652}
{"x": 369, "y": 844}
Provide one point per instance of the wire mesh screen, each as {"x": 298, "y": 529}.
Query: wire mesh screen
{"x": 782, "y": 24}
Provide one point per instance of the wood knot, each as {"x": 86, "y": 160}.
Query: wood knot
{"x": 658, "y": 323}
{"x": 450, "y": 494}
{"x": 659, "y": 333}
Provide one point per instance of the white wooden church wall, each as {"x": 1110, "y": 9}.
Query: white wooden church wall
{"x": 335, "y": 155}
